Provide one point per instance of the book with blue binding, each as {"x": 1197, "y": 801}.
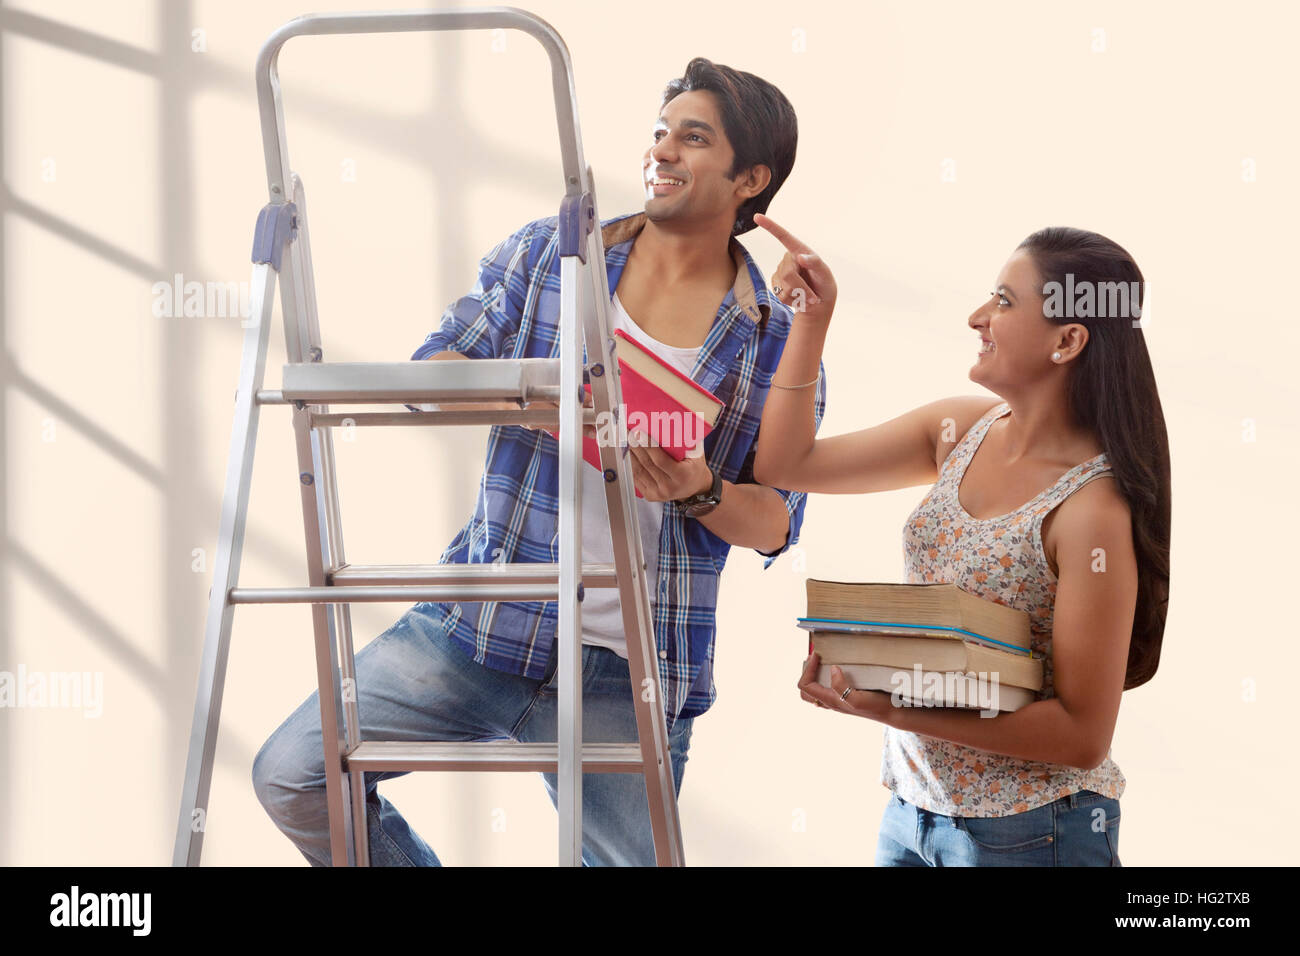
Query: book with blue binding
{"x": 915, "y": 610}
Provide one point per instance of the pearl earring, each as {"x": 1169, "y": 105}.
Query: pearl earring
{"x": 1056, "y": 356}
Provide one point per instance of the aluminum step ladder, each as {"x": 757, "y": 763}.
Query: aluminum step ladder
{"x": 310, "y": 386}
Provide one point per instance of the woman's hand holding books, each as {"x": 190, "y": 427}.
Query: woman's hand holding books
{"x": 841, "y": 695}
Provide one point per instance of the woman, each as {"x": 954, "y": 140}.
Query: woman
{"x": 1016, "y": 516}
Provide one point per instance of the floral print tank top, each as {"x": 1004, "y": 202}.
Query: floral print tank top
{"x": 1000, "y": 559}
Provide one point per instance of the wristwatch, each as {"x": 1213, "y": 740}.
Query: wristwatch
{"x": 705, "y": 501}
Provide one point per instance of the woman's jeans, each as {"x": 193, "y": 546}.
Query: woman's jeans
{"x": 1079, "y": 830}
{"x": 414, "y": 683}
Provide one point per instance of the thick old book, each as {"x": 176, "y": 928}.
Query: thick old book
{"x": 918, "y": 687}
{"x": 963, "y": 657}
{"x": 931, "y": 611}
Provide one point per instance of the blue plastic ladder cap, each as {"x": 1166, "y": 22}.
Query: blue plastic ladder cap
{"x": 276, "y": 225}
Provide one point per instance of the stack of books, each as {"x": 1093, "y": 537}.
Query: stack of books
{"x": 928, "y": 644}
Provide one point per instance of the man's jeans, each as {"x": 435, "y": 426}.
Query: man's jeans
{"x": 414, "y": 683}
{"x": 1081, "y": 829}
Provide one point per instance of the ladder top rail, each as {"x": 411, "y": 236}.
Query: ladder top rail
{"x": 468, "y": 18}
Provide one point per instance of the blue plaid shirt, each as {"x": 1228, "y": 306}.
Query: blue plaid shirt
{"x": 513, "y": 311}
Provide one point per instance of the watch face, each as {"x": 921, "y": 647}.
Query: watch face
{"x": 705, "y": 501}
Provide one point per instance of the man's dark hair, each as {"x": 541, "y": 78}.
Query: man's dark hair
{"x": 758, "y": 120}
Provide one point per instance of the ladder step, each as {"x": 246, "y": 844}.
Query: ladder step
{"x": 456, "y": 380}
{"x": 378, "y": 583}
{"x": 593, "y": 575}
{"x": 488, "y": 755}
{"x": 546, "y": 416}
{"x": 332, "y": 594}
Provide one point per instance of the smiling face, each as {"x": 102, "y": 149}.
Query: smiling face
{"x": 686, "y": 169}
{"x": 1016, "y": 340}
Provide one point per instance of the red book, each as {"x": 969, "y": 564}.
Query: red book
{"x": 674, "y": 411}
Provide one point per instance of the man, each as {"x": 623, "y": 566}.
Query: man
{"x": 723, "y": 144}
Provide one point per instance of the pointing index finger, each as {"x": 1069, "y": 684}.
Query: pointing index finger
{"x": 782, "y": 234}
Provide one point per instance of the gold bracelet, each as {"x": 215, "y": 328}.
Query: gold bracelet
{"x": 804, "y": 385}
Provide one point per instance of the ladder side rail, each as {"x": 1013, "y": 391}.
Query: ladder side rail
{"x": 225, "y": 572}
{"x": 312, "y": 483}
{"x": 327, "y": 487}
{"x": 569, "y": 608}
{"x": 625, "y": 530}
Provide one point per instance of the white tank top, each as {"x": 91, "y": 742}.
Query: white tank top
{"x": 602, "y": 615}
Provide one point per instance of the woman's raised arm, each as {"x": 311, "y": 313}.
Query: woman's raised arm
{"x": 899, "y": 453}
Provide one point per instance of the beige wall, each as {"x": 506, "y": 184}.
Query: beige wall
{"x": 129, "y": 157}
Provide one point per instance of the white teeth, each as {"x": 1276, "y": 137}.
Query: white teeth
{"x": 986, "y": 347}
{"x": 661, "y": 181}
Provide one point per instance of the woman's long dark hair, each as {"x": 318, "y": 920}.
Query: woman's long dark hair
{"x": 1112, "y": 392}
